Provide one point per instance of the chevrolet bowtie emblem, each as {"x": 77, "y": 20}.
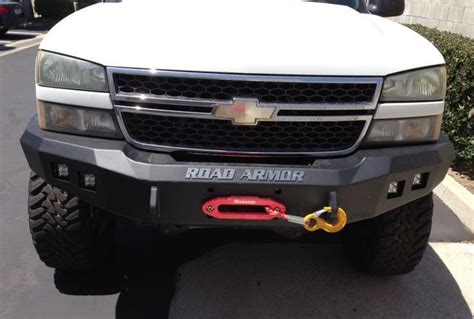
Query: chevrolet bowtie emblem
{"x": 243, "y": 111}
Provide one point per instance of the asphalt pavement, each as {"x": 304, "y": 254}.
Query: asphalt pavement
{"x": 208, "y": 274}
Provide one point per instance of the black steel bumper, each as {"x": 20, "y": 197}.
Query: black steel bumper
{"x": 126, "y": 176}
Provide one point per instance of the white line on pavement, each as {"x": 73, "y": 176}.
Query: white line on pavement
{"x": 21, "y": 32}
{"x": 22, "y": 45}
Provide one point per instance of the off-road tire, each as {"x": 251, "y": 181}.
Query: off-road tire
{"x": 392, "y": 243}
{"x": 64, "y": 230}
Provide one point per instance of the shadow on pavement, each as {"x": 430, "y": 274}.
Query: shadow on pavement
{"x": 446, "y": 225}
{"x": 5, "y": 48}
{"x": 17, "y": 36}
{"x": 259, "y": 275}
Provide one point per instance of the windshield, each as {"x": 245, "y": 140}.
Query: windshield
{"x": 358, "y": 5}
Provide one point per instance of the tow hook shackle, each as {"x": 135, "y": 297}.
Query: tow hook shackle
{"x": 314, "y": 221}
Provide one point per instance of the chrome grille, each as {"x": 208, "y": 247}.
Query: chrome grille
{"x": 166, "y": 111}
{"x": 264, "y": 91}
{"x": 187, "y": 132}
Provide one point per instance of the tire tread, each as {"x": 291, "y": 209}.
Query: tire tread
{"x": 392, "y": 243}
{"x": 61, "y": 227}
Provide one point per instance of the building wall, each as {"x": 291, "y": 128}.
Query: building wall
{"x": 447, "y": 15}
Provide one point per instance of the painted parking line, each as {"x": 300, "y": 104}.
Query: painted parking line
{"x": 11, "y": 46}
{"x": 24, "y": 32}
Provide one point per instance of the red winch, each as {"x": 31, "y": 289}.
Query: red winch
{"x": 266, "y": 209}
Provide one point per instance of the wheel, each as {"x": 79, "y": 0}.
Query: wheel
{"x": 67, "y": 233}
{"x": 392, "y": 243}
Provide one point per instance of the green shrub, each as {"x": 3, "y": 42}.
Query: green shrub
{"x": 54, "y": 9}
{"x": 458, "y": 120}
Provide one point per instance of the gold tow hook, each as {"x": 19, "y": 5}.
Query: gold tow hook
{"x": 314, "y": 221}
{"x": 330, "y": 222}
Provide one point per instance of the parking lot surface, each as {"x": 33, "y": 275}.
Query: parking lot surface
{"x": 17, "y": 40}
{"x": 209, "y": 274}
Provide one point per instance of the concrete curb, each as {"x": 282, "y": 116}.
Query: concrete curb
{"x": 458, "y": 199}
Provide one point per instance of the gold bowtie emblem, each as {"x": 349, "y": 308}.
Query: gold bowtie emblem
{"x": 243, "y": 111}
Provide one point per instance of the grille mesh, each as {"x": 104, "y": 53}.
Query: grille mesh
{"x": 184, "y": 132}
{"x": 269, "y": 92}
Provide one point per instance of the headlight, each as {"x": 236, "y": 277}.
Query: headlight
{"x": 76, "y": 120}
{"x": 60, "y": 71}
{"x": 422, "y": 85}
{"x": 420, "y": 129}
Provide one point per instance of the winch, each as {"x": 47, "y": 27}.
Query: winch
{"x": 331, "y": 219}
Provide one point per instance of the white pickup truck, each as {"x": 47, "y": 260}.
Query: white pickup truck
{"x": 292, "y": 116}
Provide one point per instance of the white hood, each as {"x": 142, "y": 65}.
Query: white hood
{"x": 266, "y": 37}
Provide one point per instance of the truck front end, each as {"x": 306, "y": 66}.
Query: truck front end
{"x": 285, "y": 141}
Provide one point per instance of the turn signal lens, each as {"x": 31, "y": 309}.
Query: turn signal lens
{"x": 74, "y": 120}
{"x": 420, "y": 129}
